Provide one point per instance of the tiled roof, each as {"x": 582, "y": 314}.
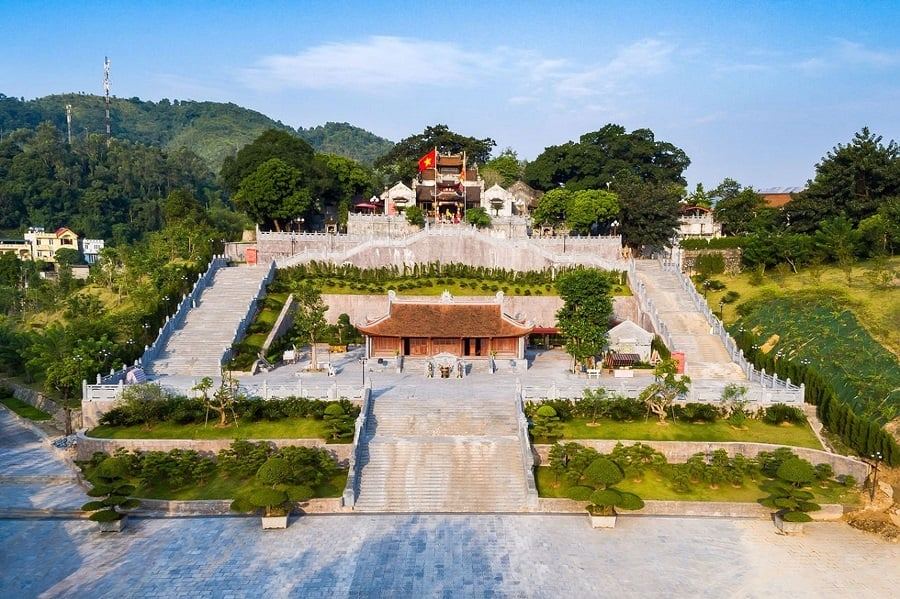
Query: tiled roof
{"x": 415, "y": 319}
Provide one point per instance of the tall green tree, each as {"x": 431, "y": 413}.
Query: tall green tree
{"x": 552, "y": 207}
{"x": 272, "y": 143}
{"x": 584, "y": 317}
{"x": 609, "y": 156}
{"x": 649, "y": 215}
{"x": 738, "y": 208}
{"x": 401, "y": 163}
{"x": 590, "y": 207}
{"x": 273, "y": 195}
{"x": 310, "y": 326}
{"x": 507, "y": 167}
{"x": 851, "y": 179}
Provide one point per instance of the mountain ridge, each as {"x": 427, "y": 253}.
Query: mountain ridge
{"x": 213, "y": 130}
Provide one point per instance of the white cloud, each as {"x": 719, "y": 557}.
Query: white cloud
{"x": 377, "y": 62}
{"x": 855, "y": 53}
{"x": 382, "y": 65}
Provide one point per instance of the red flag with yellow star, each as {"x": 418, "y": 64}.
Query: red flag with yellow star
{"x": 427, "y": 161}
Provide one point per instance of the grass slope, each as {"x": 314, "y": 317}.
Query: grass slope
{"x": 655, "y": 487}
{"x": 287, "y": 428}
{"x": 650, "y": 430}
{"x": 23, "y": 409}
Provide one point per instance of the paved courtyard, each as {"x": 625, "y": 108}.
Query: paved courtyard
{"x": 441, "y": 555}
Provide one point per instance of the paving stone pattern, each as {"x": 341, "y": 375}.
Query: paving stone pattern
{"x": 32, "y": 476}
{"x": 442, "y": 556}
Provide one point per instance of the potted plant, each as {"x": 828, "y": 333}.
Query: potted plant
{"x": 602, "y": 474}
{"x": 109, "y": 483}
{"x": 788, "y": 496}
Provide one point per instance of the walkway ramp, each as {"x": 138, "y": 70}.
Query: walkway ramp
{"x": 196, "y": 347}
{"x": 444, "y": 452}
{"x": 705, "y": 354}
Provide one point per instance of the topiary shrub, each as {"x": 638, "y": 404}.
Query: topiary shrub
{"x": 796, "y": 471}
{"x": 579, "y": 493}
{"x": 275, "y": 471}
{"x": 545, "y": 424}
{"x": 109, "y": 482}
{"x": 602, "y": 473}
{"x": 338, "y": 423}
{"x": 780, "y": 413}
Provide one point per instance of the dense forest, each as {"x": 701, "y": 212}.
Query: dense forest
{"x": 212, "y": 130}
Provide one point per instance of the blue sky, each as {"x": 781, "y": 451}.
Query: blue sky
{"x": 756, "y": 91}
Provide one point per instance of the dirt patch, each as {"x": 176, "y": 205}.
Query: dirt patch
{"x": 769, "y": 344}
{"x": 876, "y": 523}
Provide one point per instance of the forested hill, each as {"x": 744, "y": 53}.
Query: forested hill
{"x": 213, "y": 130}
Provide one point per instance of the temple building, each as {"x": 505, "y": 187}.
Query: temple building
{"x": 444, "y": 190}
{"x": 470, "y": 329}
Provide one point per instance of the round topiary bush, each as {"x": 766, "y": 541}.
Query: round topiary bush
{"x": 630, "y": 501}
{"x": 606, "y": 498}
{"x": 274, "y": 471}
{"x": 579, "y": 493}
{"x": 796, "y": 471}
{"x": 546, "y": 412}
{"x": 796, "y": 517}
{"x": 602, "y": 473}
{"x": 300, "y": 493}
{"x": 334, "y": 409}
{"x": 271, "y": 500}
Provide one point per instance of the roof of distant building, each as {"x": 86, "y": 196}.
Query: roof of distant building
{"x": 780, "y": 190}
{"x": 442, "y": 319}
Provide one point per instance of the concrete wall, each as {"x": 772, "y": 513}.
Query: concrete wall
{"x": 539, "y": 309}
{"x": 703, "y": 509}
{"x": 680, "y": 451}
{"x": 87, "y": 446}
{"x": 216, "y": 507}
{"x": 379, "y": 225}
{"x": 42, "y": 402}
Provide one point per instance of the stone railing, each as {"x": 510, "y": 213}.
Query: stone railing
{"x": 531, "y": 493}
{"x": 786, "y": 389}
{"x": 249, "y": 315}
{"x": 173, "y": 322}
{"x": 351, "y": 489}
{"x": 647, "y": 307}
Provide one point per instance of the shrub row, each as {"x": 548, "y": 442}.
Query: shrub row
{"x": 623, "y": 409}
{"x": 180, "y": 468}
{"x": 570, "y": 460}
{"x": 186, "y": 410}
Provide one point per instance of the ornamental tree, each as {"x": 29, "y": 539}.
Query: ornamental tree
{"x": 309, "y": 325}
{"x": 666, "y": 387}
{"x": 109, "y": 483}
{"x": 584, "y": 317}
{"x": 274, "y": 194}
{"x": 590, "y": 207}
{"x": 601, "y": 475}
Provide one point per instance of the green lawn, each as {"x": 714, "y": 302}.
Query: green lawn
{"x": 287, "y": 428}
{"x": 754, "y": 431}
{"x": 23, "y": 409}
{"x": 218, "y": 486}
{"x": 221, "y": 487}
{"x": 655, "y": 487}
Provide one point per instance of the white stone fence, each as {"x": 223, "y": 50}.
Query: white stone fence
{"x": 528, "y": 462}
{"x": 351, "y": 489}
{"x": 767, "y": 381}
{"x": 647, "y": 307}
{"x": 249, "y": 314}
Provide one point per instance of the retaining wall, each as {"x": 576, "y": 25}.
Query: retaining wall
{"x": 87, "y": 446}
{"x": 42, "y": 402}
{"x": 680, "y": 451}
{"x": 218, "y": 507}
{"x": 703, "y": 509}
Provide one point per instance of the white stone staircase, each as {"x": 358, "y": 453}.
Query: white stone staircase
{"x": 705, "y": 354}
{"x": 196, "y": 347}
{"x": 441, "y": 453}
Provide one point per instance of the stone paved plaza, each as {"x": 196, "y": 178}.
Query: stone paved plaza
{"x": 444, "y": 556}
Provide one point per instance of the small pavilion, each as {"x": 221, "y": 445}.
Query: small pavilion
{"x": 470, "y": 329}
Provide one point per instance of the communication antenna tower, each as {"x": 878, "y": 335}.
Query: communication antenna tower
{"x": 69, "y": 122}
{"x": 106, "y": 91}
